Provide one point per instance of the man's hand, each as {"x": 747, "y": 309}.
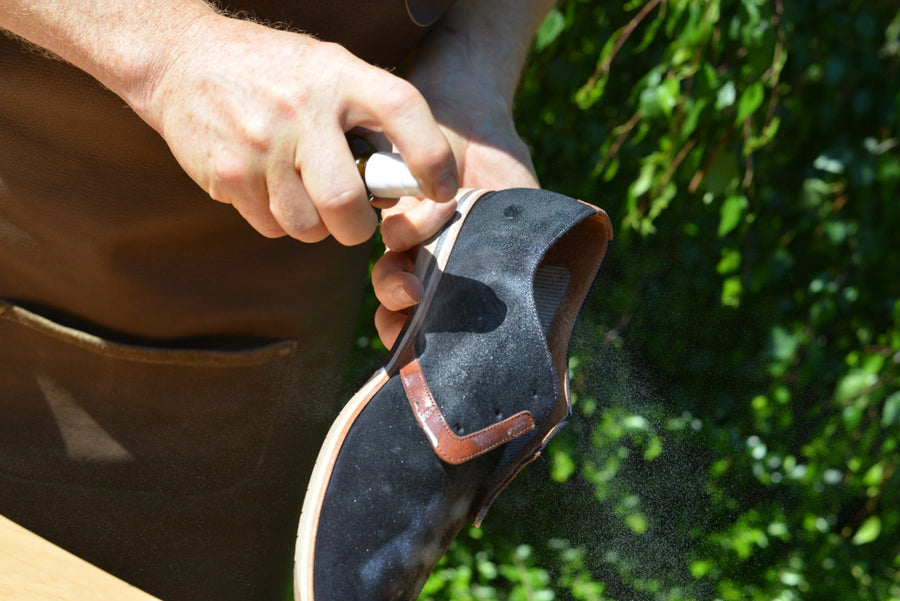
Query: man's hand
{"x": 257, "y": 118}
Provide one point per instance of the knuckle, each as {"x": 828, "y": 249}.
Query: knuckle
{"x": 288, "y": 101}
{"x": 304, "y": 225}
{"x": 311, "y": 235}
{"x": 306, "y": 231}
{"x": 260, "y": 220}
{"x": 431, "y": 158}
{"x": 387, "y": 265}
{"x": 257, "y": 133}
{"x": 400, "y": 98}
{"x": 379, "y": 271}
{"x": 342, "y": 200}
{"x": 228, "y": 173}
{"x": 434, "y": 157}
{"x": 332, "y": 51}
{"x": 394, "y": 235}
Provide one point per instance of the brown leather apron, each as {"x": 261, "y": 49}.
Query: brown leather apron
{"x": 166, "y": 373}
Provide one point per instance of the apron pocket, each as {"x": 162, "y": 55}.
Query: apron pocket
{"x": 81, "y": 409}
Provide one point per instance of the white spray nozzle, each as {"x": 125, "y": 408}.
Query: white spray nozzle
{"x": 387, "y": 176}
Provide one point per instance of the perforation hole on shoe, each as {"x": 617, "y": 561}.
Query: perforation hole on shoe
{"x": 512, "y": 211}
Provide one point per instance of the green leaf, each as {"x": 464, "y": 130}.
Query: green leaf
{"x": 590, "y": 93}
{"x": 731, "y": 291}
{"x": 726, "y": 96}
{"x": 654, "y": 448}
{"x": 636, "y": 422}
{"x": 692, "y": 117}
{"x": 643, "y": 183}
{"x": 751, "y": 100}
{"x": 562, "y": 467}
{"x": 667, "y": 95}
{"x": 791, "y": 578}
{"x": 829, "y": 164}
{"x": 730, "y": 261}
{"x": 854, "y": 385}
{"x": 890, "y": 415}
{"x": 815, "y": 192}
{"x": 731, "y": 213}
{"x": 553, "y": 25}
{"x": 868, "y": 532}
{"x": 783, "y": 344}
{"x": 636, "y": 522}
{"x": 874, "y": 475}
{"x": 700, "y": 568}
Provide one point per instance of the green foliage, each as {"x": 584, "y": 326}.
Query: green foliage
{"x": 736, "y": 375}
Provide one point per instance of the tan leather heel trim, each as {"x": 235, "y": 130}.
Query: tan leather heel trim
{"x": 449, "y": 446}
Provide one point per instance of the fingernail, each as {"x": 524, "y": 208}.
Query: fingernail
{"x": 403, "y": 296}
{"x": 446, "y": 186}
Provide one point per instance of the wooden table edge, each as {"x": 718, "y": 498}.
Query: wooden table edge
{"x": 34, "y": 569}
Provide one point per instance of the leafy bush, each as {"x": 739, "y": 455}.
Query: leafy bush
{"x": 737, "y": 374}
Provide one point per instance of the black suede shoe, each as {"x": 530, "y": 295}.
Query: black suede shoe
{"x": 474, "y": 389}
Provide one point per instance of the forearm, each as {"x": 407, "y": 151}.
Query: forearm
{"x": 122, "y": 43}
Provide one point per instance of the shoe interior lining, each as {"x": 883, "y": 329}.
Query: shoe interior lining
{"x": 580, "y": 262}
{"x": 550, "y": 283}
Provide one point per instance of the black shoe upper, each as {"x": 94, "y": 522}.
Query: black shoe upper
{"x": 392, "y": 505}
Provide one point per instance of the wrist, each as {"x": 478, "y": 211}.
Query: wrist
{"x": 451, "y": 62}
{"x": 141, "y": 78}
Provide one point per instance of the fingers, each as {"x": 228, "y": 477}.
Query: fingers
{"x": 335, "y": 188}
{"x": 389, "y": 324}
{"x": 232, "y": 182}
{"x": 291, "y": 206}
{"x": 406, "y": 225}
{"x": 322, "y": 193}
{"x": 396, "y": 288}
{"x": 427, "y": 153}
{"x": 394, "y": 106}
{"x": 410, "y": 222}
{"x": 259, "y": 218}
